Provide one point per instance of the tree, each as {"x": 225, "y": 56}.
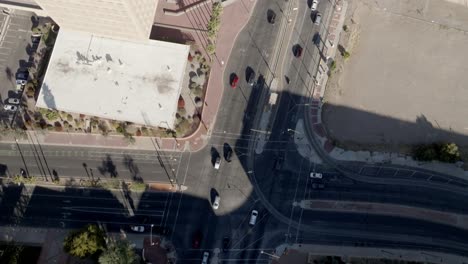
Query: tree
{"x": 85, "y": 242}
{"x": 425, "y": 152}
{"x": 119, "y": 252}
{"x": 449, "y": 153}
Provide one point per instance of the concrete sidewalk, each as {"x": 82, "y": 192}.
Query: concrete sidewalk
{"x": 299, "y": 253}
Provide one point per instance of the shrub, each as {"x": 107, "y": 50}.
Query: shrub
{"x": 345, "y": 28}
{"x": 449, "y": 153}
{"x": 138, "y": 186}
{"x": 198, "y": 91}
{"x": 69, "y": 118}
{"x": 120, "y": 129}
{"x": 183, "y": 127}
{"x": 30, "y": 91}
{"x": 182, "y": 111}
{"x": 210, "y": 48}
{"x": 425, "y": 152}
{"x": 445, "y": 152}
{"x": 345, "y": 54}
{"x": 51, "y": 115}
{"x": 138, "y": 133}
{"x": 333, "y": 66}
{"x": 102, "y": 125}
{"x": 58, "y": 126}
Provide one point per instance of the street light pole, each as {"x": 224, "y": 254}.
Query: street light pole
{"x": 268, "y": 254}
{"x": 151, "y": 235}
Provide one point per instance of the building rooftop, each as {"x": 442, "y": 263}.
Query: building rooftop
{"x": 126, "y": 81}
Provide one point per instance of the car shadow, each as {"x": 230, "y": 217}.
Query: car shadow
{"x": 226, "y": 149}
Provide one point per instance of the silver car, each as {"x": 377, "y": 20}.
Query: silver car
{"x": 216, "y": 201}
{"x": 314, "y": 5}
{"x": 11, "y": 108}
{"x": 13, "y": 101}
{"x": 317, "y": 19}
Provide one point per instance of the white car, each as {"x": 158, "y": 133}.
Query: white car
{"x": 253, "y": 217}
{"x": 13, "y": 101}
{"x": 315, "y": 175}
{"x": 217, "y": 163}
{"x": 314, "y": 5}
{"x": 11, "y": 108}
{"x": 138, "y": 229}
{"x": 206, "y": 256}
{"x": 216, "y": 202}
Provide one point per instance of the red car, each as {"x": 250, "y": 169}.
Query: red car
{"x": 234, "y": 81}
{"x": 298, "y": 51}
{"x": 197, "y": 237}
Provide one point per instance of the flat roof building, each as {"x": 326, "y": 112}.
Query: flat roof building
{"x": 138, "y": 82}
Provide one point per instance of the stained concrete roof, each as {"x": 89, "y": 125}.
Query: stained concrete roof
{"x": 127, "y": 81}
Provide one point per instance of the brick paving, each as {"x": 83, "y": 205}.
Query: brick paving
{"x": 334, "y": 29}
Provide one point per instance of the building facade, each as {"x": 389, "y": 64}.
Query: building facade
{"x": 118, "y": 19}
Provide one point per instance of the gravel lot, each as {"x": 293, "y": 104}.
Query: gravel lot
{"x": 406, "y": 81}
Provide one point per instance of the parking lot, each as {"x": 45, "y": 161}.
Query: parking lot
{"x": 15, "y": 51}
{"x": 406, "y": 80}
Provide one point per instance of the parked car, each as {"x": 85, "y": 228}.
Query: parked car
{"x": 216, "y": 201}
{"x": 317, "y": 18}
{"x": 11, "y": 108}
{"x": 35, "y": 39}
{"x": 253, "y": 217}
{"x": 13, "y": 101}
{"x": 226, "y": 243}
{"x": 137, "y": 228}
{"x": 217, "y": 163}
{"x": 315, "y": 175}
{"x": 314, "y": 5}
{"x": 298, "y": 51}
{"x": 196, "y": 240}
{"x": 22, "y": 77}
{"x": 234, "y": 81}
{"x": 206, "y": 256}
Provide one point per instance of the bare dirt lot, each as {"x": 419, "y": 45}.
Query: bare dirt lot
{"x": 406, "y": 80}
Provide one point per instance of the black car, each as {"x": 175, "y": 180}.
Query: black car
{"x": 316, "y": 39}
{"x": 226, "y": 243}
{"x": 271, "y": 17}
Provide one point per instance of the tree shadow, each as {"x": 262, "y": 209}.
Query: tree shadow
{"x": 341, "y": 49}
{"x": 108, "y": 166}
{"x": 133, "y": 168}
{"x": 55, "y": 175}
{"x": 9, "y": 73}
{"x": 34, "y": 21}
